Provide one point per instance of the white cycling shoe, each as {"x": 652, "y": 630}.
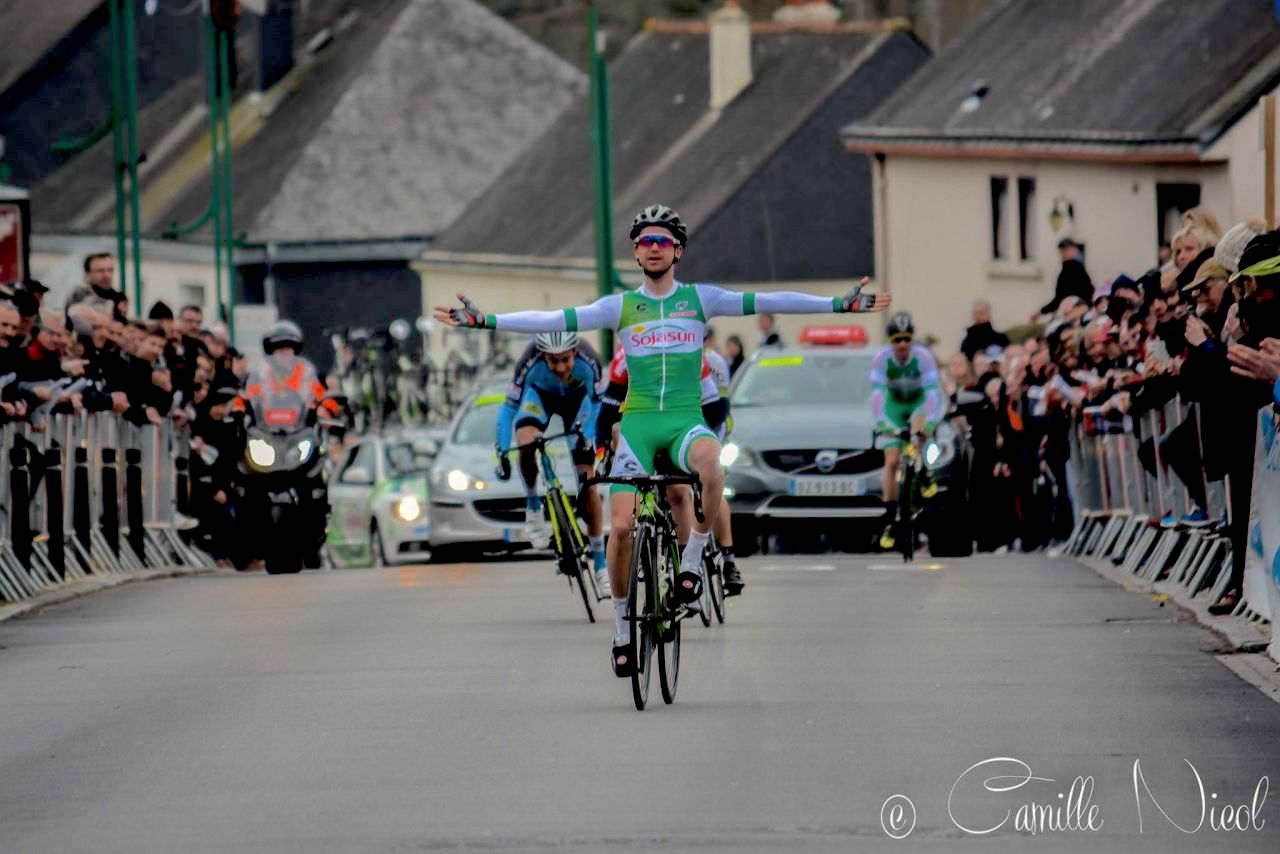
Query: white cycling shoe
{"x": 602, "y": 582}
{"x": 536, "y": 527}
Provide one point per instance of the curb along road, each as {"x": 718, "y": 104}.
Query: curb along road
{"x": 78, "y": 589}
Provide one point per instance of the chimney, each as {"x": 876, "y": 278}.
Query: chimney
{"x": 275, "y": 42}
{"x": 730, "y": 53}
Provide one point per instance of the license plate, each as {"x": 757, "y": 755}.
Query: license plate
{"x": 826, "y": 486}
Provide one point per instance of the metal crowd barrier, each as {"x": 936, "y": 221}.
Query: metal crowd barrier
{"x": 90, "y": 495}
{"x": 1122, "y": 508}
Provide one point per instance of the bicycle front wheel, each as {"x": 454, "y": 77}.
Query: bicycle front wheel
{"x": 669, "y": 640}
{"x": 715, "y": 581}
{"x": 708, "y": 564}
{"x": 907, "y": 537}
{"x": 566, "y": 553}
{"x": 642, "y": 610}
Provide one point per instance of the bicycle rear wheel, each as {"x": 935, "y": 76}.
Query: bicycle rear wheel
{"x": 669, "y": 641}
{"x": 566, "y": 552}
{"x": 641, "y": 608}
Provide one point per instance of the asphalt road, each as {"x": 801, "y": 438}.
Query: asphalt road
{"x": 472, "y": 707}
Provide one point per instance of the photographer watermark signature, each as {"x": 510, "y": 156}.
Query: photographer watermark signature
{"x": 1073, "y": 810}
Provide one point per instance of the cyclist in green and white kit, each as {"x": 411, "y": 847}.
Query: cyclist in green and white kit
{"x": 905, "y": 394}
{"x": 661, "y": 326}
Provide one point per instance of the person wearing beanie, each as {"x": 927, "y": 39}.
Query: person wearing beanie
{"x": 1073, "y": 279}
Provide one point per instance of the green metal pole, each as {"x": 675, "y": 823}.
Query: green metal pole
{"x": 117, "y": 143}
{"x": 215, "y": 168}
{"x": 228, "y": 232}
{"x": 605, "y": 273}
{"x": 131, "y": 117}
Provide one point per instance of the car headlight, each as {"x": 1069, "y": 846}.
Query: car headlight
{"x": 932, "y": 453}
{"x": 261, "y": 454}
{"x": 729, "y": 455}
{"x": 407, "y": 509}
{"x": 459, "y": 481}
{"x": 941, "y": 449}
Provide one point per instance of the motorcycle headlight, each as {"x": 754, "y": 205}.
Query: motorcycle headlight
{"x": 407, "y": 509}
{"x": 261, "y": 454}
{"x": 460, "y": 481}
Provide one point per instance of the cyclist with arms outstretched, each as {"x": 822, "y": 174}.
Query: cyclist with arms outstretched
{"x": 661, "y": 326}
{"x": 905, "y": 394}
{"x": 558, "y": 374}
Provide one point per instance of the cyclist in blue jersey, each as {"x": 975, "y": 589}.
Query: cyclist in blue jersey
{"x": 558, "y": 374}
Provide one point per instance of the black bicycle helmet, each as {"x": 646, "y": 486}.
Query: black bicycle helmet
{"x": 282, "y": 333}
{"x": 663, "y": 216}
{"x": 900, "y": 324}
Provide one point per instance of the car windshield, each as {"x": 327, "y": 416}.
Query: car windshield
{"x": 803, "y": 379}
{"x": 404, "y": 458}
{"x": 480, "y": 422}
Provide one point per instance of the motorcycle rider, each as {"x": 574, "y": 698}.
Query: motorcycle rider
{"x": 281, "y": 379}
{"x": 283, "y": 368}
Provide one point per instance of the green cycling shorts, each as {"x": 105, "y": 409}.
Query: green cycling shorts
{"x": 897, "y": 417}
{"x": 643, "y": 435}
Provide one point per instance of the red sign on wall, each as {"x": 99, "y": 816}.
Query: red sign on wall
{"x": 11, "y": 249}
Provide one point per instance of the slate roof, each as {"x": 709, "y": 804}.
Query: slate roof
{"x": 670, "y": 147}
{"x": 31, "y": 29}
{"x": 448, "y": 99}
{"x": 1160, "y": 77}
{"x": 413, "y": 108}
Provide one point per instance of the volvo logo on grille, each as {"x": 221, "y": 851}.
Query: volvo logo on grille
{"x": 826, "y": 460}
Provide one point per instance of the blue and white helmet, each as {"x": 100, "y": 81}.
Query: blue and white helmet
{"x": 556, "y": 342}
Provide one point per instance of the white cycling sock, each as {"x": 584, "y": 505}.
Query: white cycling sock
{"x": 621, "y": 628}
{"x": 691, "y": 559}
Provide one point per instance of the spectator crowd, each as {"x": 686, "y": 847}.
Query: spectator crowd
{"x": 88, "y": 356}
{"x": 1201, "y": 329}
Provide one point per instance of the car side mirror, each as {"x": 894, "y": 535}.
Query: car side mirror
{"x": 358, "y": 476}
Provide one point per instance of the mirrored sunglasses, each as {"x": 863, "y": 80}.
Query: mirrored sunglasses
{"x": 662, "y": 241}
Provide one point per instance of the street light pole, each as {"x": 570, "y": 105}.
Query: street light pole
{"x": 606, "y": 275}
{"x": 118, "y": 164}
{"x": 131, "y": 122}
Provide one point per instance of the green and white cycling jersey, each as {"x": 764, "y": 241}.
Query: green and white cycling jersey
{"x": 899, "y": 390}
{"x": 662, "y": 336}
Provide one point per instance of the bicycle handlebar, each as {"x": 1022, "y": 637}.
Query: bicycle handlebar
{"x": 543, "y": 440}
{"x": 656, "y": 481}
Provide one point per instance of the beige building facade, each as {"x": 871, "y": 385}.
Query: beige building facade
{"x": 955, "y": 227}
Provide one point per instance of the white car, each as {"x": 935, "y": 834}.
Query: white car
{"x": 471, "y": 510}
{"x": 379, "y": 500}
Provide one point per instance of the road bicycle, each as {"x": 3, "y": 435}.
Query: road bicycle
{"x": 653, "y": 615}
{"x": 911, "y": 481}
{"x": 568, "y": 532}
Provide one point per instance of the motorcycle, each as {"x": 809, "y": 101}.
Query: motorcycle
{"x": 284, "y": 507}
